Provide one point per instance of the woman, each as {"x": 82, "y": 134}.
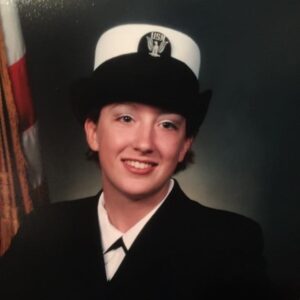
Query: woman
{"x": 141, "y": 237}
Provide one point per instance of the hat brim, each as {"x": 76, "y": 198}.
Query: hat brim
{"x": 165, "y": 83}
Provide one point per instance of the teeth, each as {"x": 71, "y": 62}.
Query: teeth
{"x": 138, "y": 165}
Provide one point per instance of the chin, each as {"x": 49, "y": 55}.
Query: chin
{"x": 140, "y": 191}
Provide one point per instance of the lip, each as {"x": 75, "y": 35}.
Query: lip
{"x": 138, "y": 166}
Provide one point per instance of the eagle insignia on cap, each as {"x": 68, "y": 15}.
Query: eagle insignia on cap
{"x": 157, "y": 43}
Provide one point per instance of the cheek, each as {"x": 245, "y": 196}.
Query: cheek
{"x": 171, "y": 149}
{"x": 111, "y": 142}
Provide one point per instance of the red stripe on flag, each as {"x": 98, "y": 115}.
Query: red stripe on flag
{"x": 22, "y": 94}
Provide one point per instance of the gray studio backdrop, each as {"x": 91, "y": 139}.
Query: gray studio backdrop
{"x": 247, "y": 151}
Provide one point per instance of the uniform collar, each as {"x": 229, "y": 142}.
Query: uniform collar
{"x": 109, "y": 233}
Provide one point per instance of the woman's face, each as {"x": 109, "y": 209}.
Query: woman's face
{"x": 139, "y": 147}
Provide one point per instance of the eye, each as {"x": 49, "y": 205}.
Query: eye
{"x": 125, "y": 118}
{"x": 169, "y": 125}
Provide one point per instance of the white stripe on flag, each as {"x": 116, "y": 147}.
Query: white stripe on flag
{"x": 32, "y": 153}
{"x": 12, "y": 31}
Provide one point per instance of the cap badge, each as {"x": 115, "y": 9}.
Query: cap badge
{"x": 157, "y": 43}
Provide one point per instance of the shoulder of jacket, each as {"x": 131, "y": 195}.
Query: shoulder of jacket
{"x": 222, "y": 224}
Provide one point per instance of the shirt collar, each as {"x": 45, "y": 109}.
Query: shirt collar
{"x": 110, "y": 234}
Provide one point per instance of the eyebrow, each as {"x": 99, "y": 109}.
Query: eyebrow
{"x": 133, "y": 105}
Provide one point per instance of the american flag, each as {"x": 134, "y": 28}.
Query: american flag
{"x": 22, "y": 184}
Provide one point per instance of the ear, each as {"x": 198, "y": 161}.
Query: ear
{"x": 185, "y": 148}
{"x": 90, "y": 129}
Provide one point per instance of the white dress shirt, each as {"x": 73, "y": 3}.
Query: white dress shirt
{"x": 109, "y": 234}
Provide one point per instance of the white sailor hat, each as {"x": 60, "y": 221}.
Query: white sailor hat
{"x": 156, "y": 41}
{"x": 151, "y": 64}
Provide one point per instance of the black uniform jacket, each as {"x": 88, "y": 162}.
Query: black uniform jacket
{"x": 186, "y": 251}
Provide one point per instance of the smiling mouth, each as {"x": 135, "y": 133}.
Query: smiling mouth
{"x": 139, "y": 165}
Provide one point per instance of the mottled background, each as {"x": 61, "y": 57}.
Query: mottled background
{"x": 248, "y": 148}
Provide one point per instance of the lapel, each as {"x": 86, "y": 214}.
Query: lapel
{"x": 149, "y": 261}
{"x": 150, "y": 249}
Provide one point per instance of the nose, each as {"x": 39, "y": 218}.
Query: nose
{"x": 144, "y": 139}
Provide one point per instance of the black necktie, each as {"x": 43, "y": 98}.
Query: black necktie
{"x": 117, "y": 244}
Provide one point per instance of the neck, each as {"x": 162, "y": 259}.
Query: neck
{"x": 125, "y": 211}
